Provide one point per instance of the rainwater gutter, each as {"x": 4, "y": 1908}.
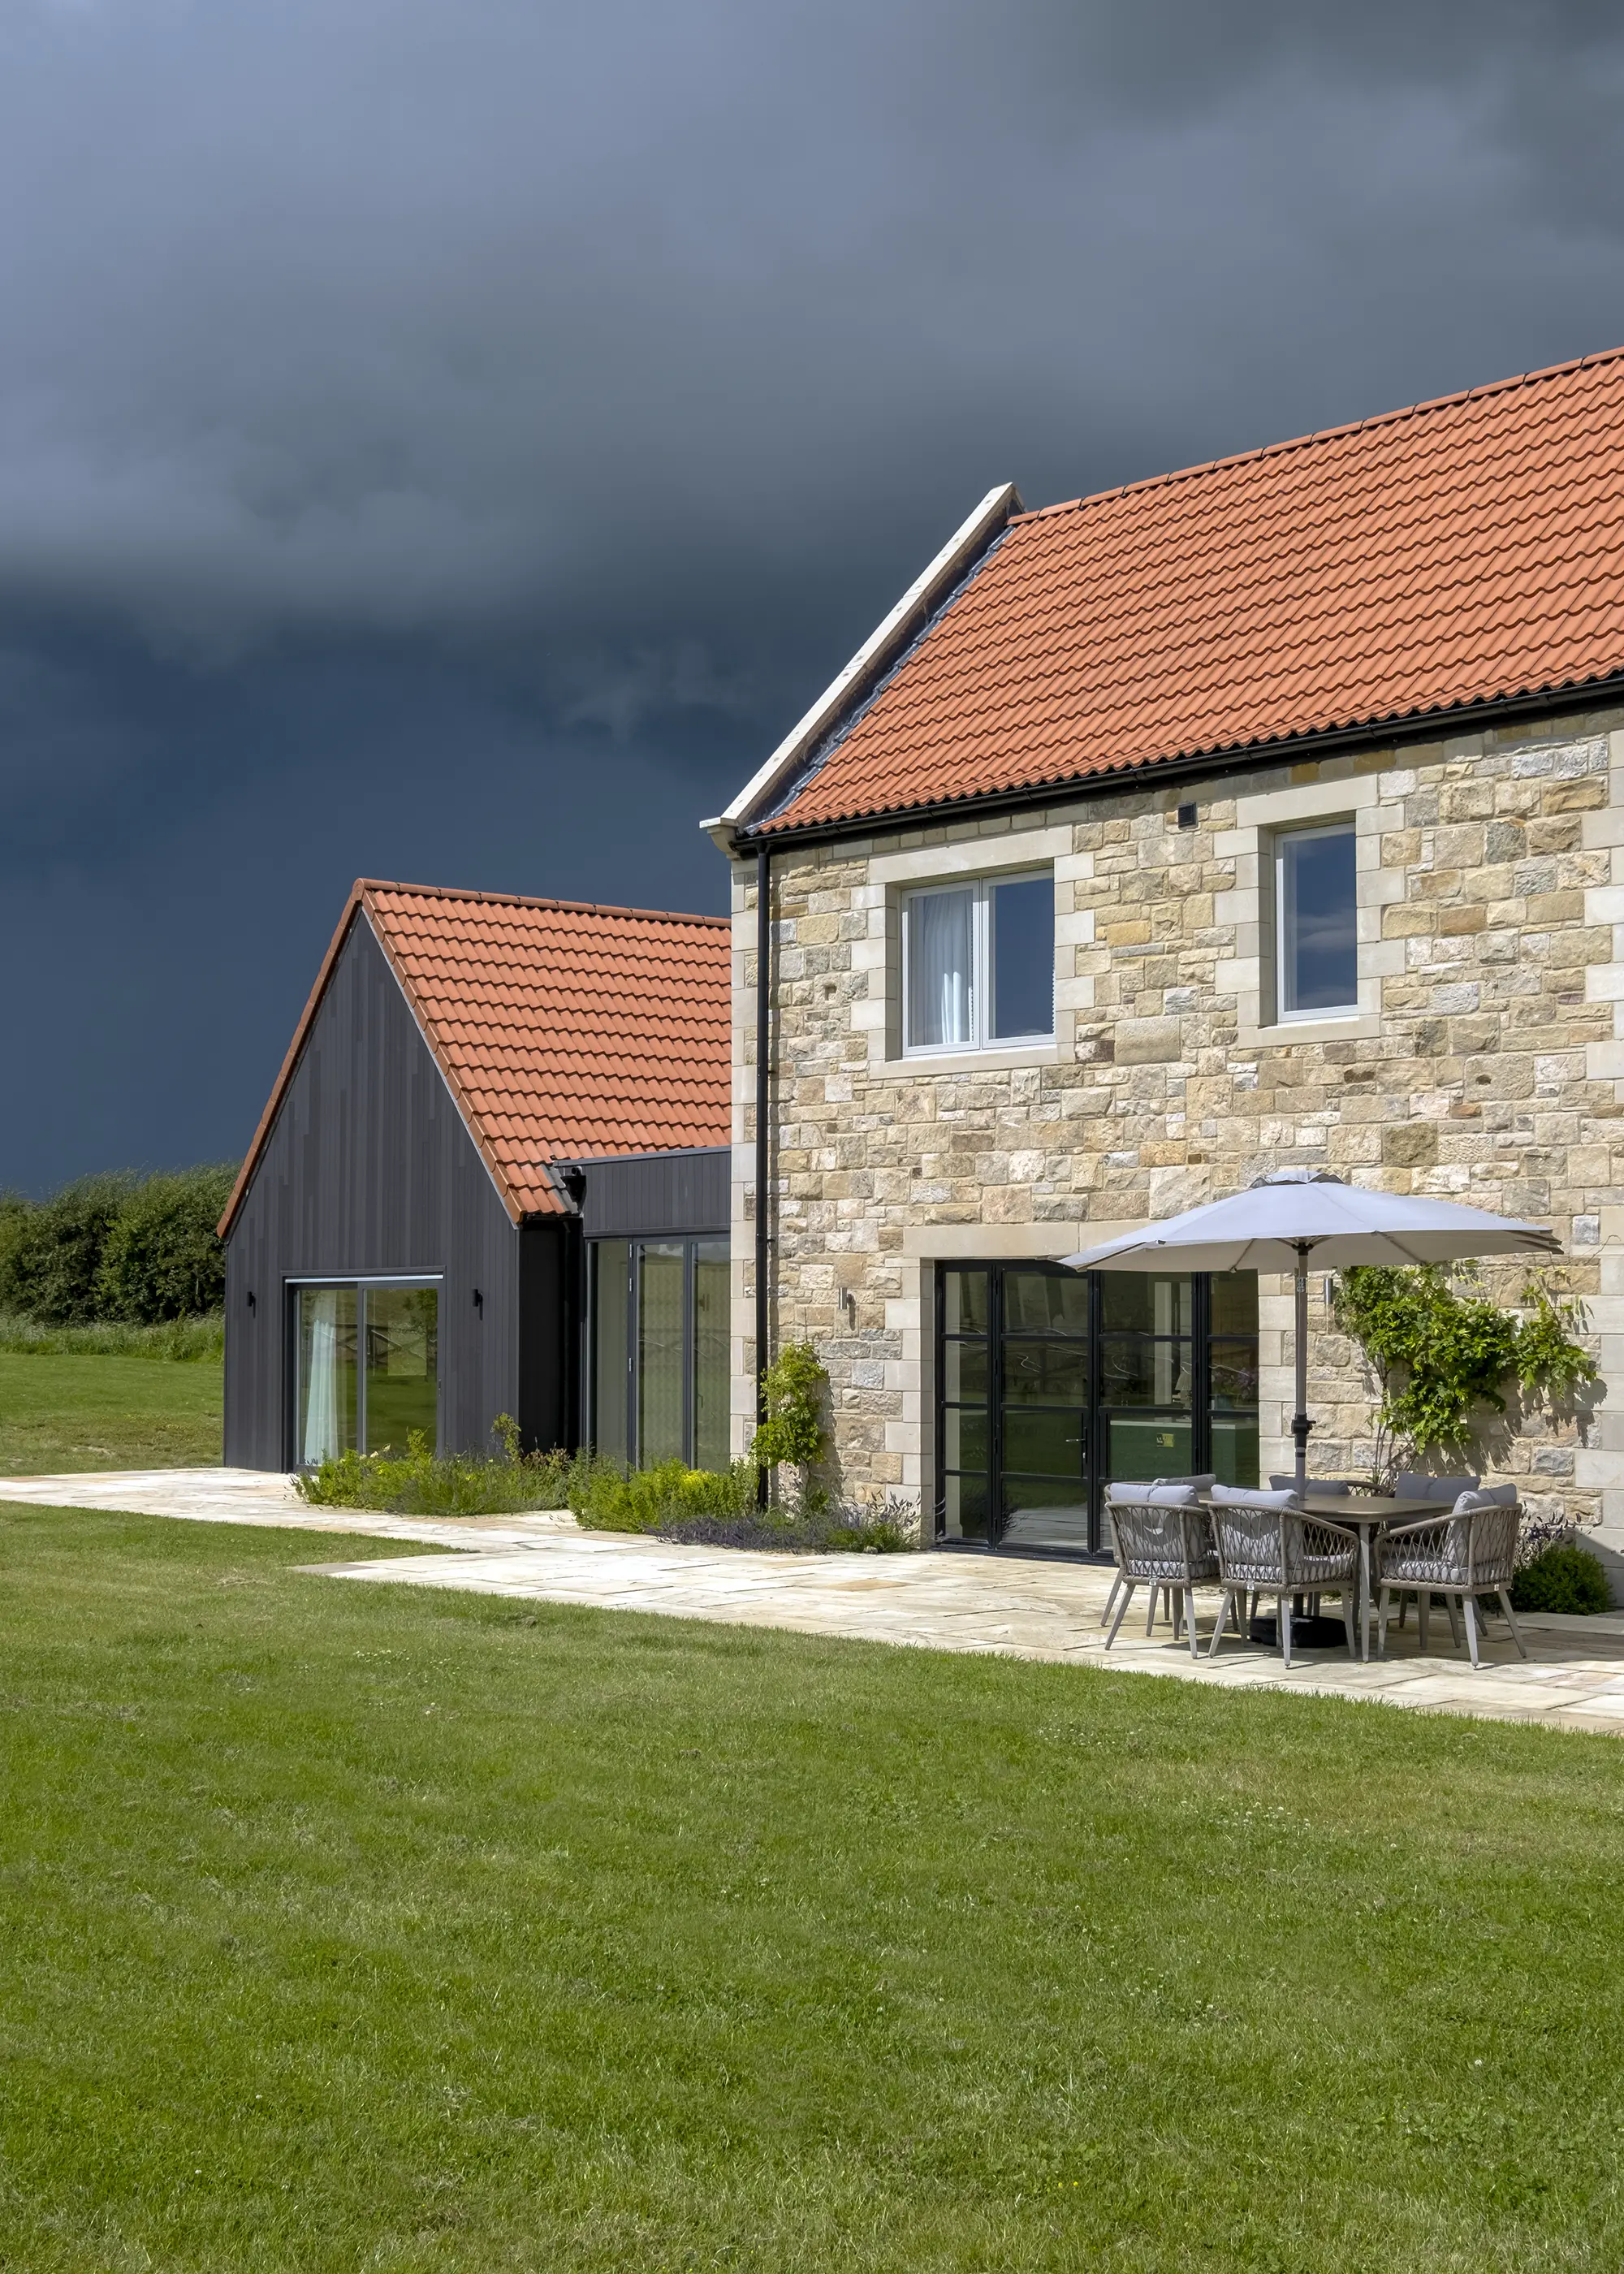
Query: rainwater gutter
{"x": 763, "y": 1092}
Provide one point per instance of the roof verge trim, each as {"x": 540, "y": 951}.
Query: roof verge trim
{"x": 972, "y": 536}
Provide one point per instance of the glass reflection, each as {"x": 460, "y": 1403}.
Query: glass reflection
{"x": 964, "y": 1372}
{"x": 1234, "y": 1374}
{"x": 1043, "y": 1444}
{"x": 403, "y": 1368}
{"x": 1045, "y": 1374}
{"x": 1235, "y": 1303}
{"x": 1146, "y": 1305}
{"x": 660, "y": 1352}
{"x": 1045, "y": 1303}
{"x": 710, "y": 1334}
{"x": 327, "y": 1373}
{"x": 964, "y": 1438}
{"x": 1140, "y": 1448}
{"x": 1136, "y": 1372}
{"x": 964, "y": 1302}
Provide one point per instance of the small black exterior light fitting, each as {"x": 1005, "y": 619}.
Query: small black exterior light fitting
{"x": 1186, "y": 817}
{"x": 252, "y": 1300}
{"x": 479, "y": 1302}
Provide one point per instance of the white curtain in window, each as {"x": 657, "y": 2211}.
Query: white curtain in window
{"x": 321, "y": 1393}
{"x": 941, "y": 934}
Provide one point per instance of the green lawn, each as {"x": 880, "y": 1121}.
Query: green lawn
{"x": 94, "y": 1413}
{"x": 347, "y": 1927}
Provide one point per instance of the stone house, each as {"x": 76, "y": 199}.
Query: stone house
{"x": 1266, "y": 813}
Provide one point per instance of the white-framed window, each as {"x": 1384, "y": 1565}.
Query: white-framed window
{"x": 1316, "y": 924}
{"x": 978, "y": 963}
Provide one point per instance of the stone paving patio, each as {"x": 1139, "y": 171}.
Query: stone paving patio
{"x": 1574, "y": 1678}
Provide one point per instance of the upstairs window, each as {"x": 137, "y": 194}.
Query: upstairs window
{"x": 1315, "y": 924}
{"x": 979, "y": 964}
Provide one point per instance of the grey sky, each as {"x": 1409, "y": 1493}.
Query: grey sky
{"x": 454, "y": 438}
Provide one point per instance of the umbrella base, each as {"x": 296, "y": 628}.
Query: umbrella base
{"x": 1307, "y": 1634}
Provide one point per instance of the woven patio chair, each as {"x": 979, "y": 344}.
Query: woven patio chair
{"x": 1163, "y": 1544}
{"x": 1157, "y": 1485}
{"x": 1469, "y": 1553}
{"x": 1268, "y": 1546}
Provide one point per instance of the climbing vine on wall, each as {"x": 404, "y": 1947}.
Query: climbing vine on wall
{"x": 1440, "y": 1352}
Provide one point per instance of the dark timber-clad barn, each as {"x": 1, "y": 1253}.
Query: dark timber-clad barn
{"x": 491, "y": 1178}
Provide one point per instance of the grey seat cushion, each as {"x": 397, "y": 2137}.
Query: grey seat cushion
{"x": 1154, "y": 1496}
{"x": 1486, "y": 1496}
{"x": 1249, "y": 1496}
{"x": 1411, "y": 1485}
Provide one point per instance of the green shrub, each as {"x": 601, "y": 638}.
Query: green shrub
{"x": 422, "y": 1483}
{"x": 141, "y": 1250}
{"x": 794, "y": 1389}
{"x": 1561, "y": 1577}
{"x": 51, "y": 1263}
{"x": 193, "y": 1340}
{"x": 161, "y": 1258}
{"x": 605, "y": 1498}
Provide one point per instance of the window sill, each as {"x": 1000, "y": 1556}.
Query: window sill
{"x": 1351, "y": 1026}
{"x": 989, "y": 1061}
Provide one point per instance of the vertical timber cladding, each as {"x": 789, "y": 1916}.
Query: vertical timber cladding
{"x": 371, "y": 1168}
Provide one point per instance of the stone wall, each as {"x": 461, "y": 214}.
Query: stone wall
{"x": 1485, "y": 1064}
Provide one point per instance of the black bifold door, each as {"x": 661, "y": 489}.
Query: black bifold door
{"x": 1052, "y": 1383}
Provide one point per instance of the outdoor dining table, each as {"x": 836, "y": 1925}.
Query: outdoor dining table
{"x": 1367, "y": 1514}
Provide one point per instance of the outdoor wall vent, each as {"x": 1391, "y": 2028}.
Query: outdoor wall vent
{"x": 1186, "y": 817}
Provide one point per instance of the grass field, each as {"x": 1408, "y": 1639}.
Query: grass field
{"x": 99, "y": 1413}
{"x": 355, "y": 1928}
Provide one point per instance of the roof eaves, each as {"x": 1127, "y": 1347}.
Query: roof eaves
{"x": 970, "y": 538}
{"x": 1226, "y": 758}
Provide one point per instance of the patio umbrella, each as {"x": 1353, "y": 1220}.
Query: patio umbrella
{"x": 1298, "y": 1214}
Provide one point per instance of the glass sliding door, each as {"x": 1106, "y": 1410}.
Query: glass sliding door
{"x": 401, "y": 1394}
{"x": 661, "y": 1277}
{"x": 712, "y": 1373}
{"x": 609, "y": 1413}
{"x": 366, "y": 1367}
{"x": 658, "y": 1338}
{"x": 1051, "y": 1385}
{"x": 325, "y": 1419}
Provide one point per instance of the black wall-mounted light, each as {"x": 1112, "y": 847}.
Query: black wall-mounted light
{"x": 479, "y": 1302}
{"x": 252, "y": 1301}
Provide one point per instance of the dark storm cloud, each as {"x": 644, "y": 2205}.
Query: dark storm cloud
{"x": 407, "y": 404}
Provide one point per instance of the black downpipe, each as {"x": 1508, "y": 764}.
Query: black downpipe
{"x": 763, "y": 1090}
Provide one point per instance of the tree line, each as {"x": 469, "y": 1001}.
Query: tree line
{"x": 123, "y": 1247}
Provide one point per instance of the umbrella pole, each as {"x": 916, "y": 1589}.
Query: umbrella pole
{"x": 1300, "y": 1423}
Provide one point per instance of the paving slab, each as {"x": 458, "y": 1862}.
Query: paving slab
{"x": 258, "y": 1496}
{"x": 1031, "y": 1608}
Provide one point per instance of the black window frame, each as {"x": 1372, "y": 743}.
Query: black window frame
{"x": 294, "y": 1284}
{"x": 635, "y": 1242}
{"x": 1098, "y": 1415}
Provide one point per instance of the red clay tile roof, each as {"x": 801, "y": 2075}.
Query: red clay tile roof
{"x": 563, "y": 1030}
{"x": 1462, "y": 551}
